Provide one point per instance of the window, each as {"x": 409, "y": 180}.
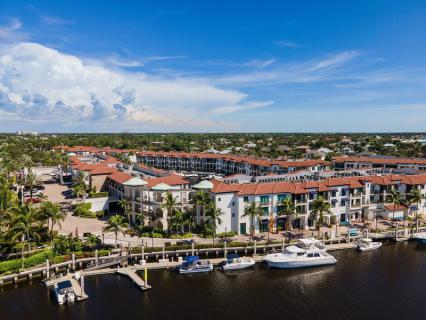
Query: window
{"x": 281, "y": 197}
{"x": 233, "y": 203}
{"x": 310, "y": 255}
{"x": 218, "y": 199}
{"x": 264, "y": 199}
{"x": 233, "y": 215}
{"x": 316, "y": 254}
{"x": 246, "y": 199}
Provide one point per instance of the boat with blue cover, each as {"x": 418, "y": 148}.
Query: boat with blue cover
{"x": 64, "y": 292}
{"x": 193, "y": 264}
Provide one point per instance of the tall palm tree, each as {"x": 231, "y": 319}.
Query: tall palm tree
{"x": 253, "y": 212}
{"x": 395, "y": 198}
{"x": 289, "y": 209}
{"x": 115, "y": 224}
{"x": 127, "y": 207}
{"x": 32, "y": 180}
{"x": 320, "y": 207}
{"x": 416, "y": 196}
{"x": 213, "y": 216}
{"x": 169, "y": 203}
{"x": 25, "y": 226}
{"x": 202, "y": 200}
{"x": 53, "y": 214}
{"x": 177, "y": 221}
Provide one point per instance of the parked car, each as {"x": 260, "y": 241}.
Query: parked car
{"x": 33, "y": 200}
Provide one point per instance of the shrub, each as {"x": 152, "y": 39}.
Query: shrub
{"x": 13, "y": 266}
{"x": 181, "y": 236}
{"x": 83, "y": 209}
{"x": 98, "y": 194}
{"x": 100, "y": 214}
{"x": 228, "y": 234}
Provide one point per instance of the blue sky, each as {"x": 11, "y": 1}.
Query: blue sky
{"x": 197, "y": 66}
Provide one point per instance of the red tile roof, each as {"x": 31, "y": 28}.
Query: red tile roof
{"x": 172, "y": 180}
{"x": 120, "y": 177}
{"x": 392, "y": 207}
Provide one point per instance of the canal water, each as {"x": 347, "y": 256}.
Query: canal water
{"x": 386, "y": 284}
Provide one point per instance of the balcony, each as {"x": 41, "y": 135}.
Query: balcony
{"x": 264, "y": 203}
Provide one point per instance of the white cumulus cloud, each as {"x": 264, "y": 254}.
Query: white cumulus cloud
{"x": 45, "y": 85}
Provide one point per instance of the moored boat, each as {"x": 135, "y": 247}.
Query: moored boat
{"x": 63, "y": 292}
{"x": 235, "y": 262}
{"x": 419, "y": 237}
{"x": 367, "y": 244}
{"x": 193, "y": 264}
{"x": 304, "y": 254}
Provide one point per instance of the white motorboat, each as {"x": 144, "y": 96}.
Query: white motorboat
{"x": 193, "y": 264}
{"x": 367, "y": 244}
{"x": 419, "y": 237}
{"x": 304, "y": 254}
{"x": 235, "y": 262}
{"x": 63, "y": 292}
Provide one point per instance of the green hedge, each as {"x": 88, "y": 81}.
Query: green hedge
{"x": 14, "y": 266}
{"x": 98, "y": 194}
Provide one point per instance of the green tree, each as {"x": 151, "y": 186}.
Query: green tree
{"x": 127, "y": 207}
{"x": 169, "y": 203}
{"x": 202, "y": 200}
{"x": 25, "y": 226}
{"x": 213, "y": 217}
{"x": 32, "y": 180}
{"x": 415, "y": 197}
{"x": 289, "y": 209}
{"x": 253, "y": 212}
{"x": 116, "y": 224}
{"x": 320, "y": 207}
{"x": 53, "y": 214}
{"x": 394, "y": 197}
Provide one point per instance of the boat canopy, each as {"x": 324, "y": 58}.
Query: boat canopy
{"x": 309, "y": 241}
{"x": 232, "y": 256}
{"x": 294, "y": 249}
{"x": 191, "y": 259}
{"x": 64, "y": 284}
{"x": 367, "y": 240}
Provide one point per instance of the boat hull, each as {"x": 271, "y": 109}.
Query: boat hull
{"x": 301, "y": 263}
{"x": 370, "y": 248}
{"x": 238, "y": 266}
{"x": 196, "y": 270}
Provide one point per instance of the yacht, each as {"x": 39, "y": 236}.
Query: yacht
{"x": 63, "y": 292}
{"x": 306, "y": 253}
{"x": 419, "y": 237}
{"x": 367, "y": 244}
{"x": 235, "y": 262}
{"x": 193, "y": 264}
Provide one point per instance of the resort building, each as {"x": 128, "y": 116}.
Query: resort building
{"x": 347, "y": 163}
{"x": 208, "y": 163}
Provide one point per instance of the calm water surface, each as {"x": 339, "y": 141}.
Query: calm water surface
{"x": 386, "y": 284}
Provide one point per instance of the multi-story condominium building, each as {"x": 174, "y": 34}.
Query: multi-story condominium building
{"x": 148, "y": 196}
{"x": 225, "y": 164}
{"x": 347, "y": 163}
{"x": 350, "y": 198}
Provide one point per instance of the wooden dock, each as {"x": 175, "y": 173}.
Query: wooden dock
{"x": 131, "y": 273}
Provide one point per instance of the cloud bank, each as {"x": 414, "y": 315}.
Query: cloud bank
{"x": 40, "y": 84}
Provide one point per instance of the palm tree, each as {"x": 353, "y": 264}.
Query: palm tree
{"x": 53, "y": 214}
{"x": 127, "y": 207}
{"x": 320, "y": 207}
{"x": 395, "y": 198}
{"x": 213, "y": 214}
{"x": 289, "y": 209}
{"x": 202, "y": 200}
{"x": 169, "y": 203}
{"x": 416, "y": 196}
{"x": 253, "y": 212}
{"x": 25, "y": 226}
{"x": 176, "y": 221}
{"x": 32, "y": 180}
{"x": 115, "y": 224}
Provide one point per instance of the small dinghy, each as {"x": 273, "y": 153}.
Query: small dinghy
{"x": 235, "y": 262}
